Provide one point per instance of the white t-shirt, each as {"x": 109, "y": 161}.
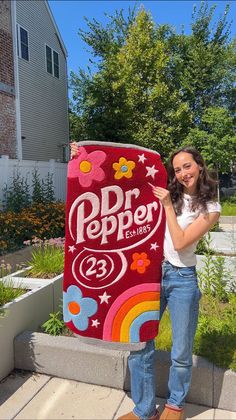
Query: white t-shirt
{"x": 185, "y": 257}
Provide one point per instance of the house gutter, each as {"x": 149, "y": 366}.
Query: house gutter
{"x": 16, "y": 80}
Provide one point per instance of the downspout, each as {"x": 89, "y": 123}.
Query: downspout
{"x": 16, "y": 80}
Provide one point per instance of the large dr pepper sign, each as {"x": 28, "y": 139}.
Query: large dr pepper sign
{"x": 114, "y": 242}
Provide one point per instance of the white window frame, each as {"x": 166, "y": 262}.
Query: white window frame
{"x": 18, "y": 27}
{"x": 52, "y": 51}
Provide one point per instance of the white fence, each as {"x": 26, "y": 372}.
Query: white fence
{"x": 9, "y": 167}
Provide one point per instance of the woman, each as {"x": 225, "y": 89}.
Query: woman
{"x": 191, "y": 210}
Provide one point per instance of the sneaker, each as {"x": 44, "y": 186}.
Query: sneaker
{"x": 132, "y": 416}
{"x": 172, "y": 413}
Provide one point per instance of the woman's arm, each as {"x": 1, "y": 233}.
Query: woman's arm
{"x": 182, "y": 238}
{"x": 74, "y": 149}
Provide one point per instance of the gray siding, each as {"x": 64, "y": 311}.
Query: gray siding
{"x": 43, "y": 97}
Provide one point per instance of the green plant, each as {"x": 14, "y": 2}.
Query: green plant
{"x": 9, "y": 292}
{"x": 37, "y": 192}
{"x": 43, "y": 190}
{"x": 47, "y": 259}
{"x": 164, "y": 339}
{"x": 48, "y": 189}
{"x": 16, "y": 196}
{"x": 216, "y": 333}
{"x": 54, "y": 325}
{"x": 203, "y": 248}
{"x": 214, "y": 279}
{"x": 5, "y": 269}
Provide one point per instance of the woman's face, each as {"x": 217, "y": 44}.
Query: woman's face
{"x": 186, "y": 171}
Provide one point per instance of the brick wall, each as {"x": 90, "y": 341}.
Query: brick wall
{"x": 7, "y": 96}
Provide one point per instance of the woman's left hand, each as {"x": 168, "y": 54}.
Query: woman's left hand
{"x": 163, "y": 195}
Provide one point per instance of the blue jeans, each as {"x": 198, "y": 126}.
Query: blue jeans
{"x": 181, "y": 293}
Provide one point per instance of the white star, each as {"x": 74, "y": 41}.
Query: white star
{"x": 72, "y": 248}
{"x": 154, "y": 246}
{"x": 151, "y": 171}
{"x": 104, "y": 297}
{"x": 95, "y": 323}
{"x": 142, "y": 158}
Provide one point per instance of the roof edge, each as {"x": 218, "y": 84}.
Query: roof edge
{"x": 56, "y": 27}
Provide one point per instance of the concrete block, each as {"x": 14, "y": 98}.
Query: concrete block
{"x": 163, "y": 363}
{"x": 162, "y": 372}
{"x": 198, "y": 412}
{"x": 201, "y": 389}
{"x": 57, "y": 292}
{"x": 224, "y": 383}
{"x": 69, "y": 358}
{"x": 28, "y": 311}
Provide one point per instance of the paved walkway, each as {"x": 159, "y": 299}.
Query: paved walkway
{"x": 25, "y": 395}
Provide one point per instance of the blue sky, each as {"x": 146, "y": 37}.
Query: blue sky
{"x": 69, "y": 16}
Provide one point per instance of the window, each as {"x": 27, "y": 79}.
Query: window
{"x": 56, "y": 64}
{"x": 52, "y": 61}
{"x": 22, "y": 43}
{"x": 49, "y": 59}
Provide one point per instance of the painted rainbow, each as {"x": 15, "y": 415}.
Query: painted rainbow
{"x": 130, "y": 311}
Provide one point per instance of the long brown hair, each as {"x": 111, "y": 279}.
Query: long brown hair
{"x": 206, "y": 185}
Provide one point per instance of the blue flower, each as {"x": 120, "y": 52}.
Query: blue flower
{"x": 78, "y": 309}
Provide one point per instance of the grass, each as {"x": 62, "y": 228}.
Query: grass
{"x": 8, "y": 292}
{"x": 228, "y": 209}
{"x": 228, "y": 206}
{"x": 216, "y": 333}
{"x": 46, "y": 262}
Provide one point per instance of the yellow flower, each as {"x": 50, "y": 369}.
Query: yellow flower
{"x": 123, "y": 168}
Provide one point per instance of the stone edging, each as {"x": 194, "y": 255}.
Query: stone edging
{"x": 69, "y": 358}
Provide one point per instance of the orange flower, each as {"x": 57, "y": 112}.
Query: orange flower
{"x": 140, "y": 262}
{"x": 123, "y": 168}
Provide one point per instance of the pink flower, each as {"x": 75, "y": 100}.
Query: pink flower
{"x": 86, "y": 167}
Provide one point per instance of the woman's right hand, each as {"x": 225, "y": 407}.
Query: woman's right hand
{"x": 74, "y": 149}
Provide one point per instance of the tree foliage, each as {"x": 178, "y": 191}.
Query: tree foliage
{"x": 157, "y": 88}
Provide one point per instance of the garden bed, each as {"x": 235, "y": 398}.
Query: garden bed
{"x": 28, "y": 311}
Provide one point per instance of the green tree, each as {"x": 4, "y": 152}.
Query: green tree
{"x": 130, "y": 98}
{"x": 216, "y": 140}
{"x": 205, "y": 63}
{"x": 156, "y": 88}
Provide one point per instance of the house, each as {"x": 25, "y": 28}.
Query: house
{"x": 33, "y": 83}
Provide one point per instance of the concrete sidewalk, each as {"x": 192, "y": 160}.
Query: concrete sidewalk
{"x": 25, "y": 395}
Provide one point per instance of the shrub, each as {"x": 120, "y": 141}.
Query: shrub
{"x": 16, "y": 196}
{"x": 43, "y": 190}
{"x": 216, "y": 333}
{"x": 41, "y": 220}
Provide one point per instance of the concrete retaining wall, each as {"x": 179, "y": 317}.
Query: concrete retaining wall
{"x": 68, "y": 357}
{"x": 28, "y": 311}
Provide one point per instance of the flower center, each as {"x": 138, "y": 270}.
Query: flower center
{"x": 124, "y": 168}
{"x": 140, "y": 262}
{"x": 85, "y": 166}
{"x": 74, "y": 308}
